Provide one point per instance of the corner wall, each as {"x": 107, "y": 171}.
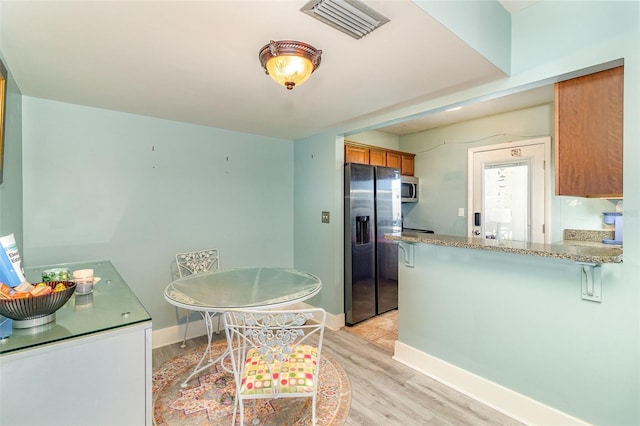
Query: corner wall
{"x": 101, "y": 184}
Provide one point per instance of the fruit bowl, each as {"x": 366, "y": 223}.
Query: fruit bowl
{"x": 34, "y": 307}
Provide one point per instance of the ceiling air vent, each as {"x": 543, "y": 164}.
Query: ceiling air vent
{"x": 352, "y": 17}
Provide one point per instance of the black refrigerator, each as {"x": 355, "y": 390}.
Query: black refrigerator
{"x": 372, "y": 208}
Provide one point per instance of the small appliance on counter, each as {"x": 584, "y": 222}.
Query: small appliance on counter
{"x": 614, "y": 218}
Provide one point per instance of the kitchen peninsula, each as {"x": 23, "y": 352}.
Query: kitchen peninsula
{"x": 496, "y": 319}
{"x": 577, "y": 251}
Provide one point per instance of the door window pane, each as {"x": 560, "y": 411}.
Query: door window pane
{"x": 506, "y": 201}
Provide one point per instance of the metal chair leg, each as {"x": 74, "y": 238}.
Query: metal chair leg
{"x": 186, "y": 328}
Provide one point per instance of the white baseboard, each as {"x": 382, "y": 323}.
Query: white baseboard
{"x": 333, "y": 322}
{"x": 498, "y": 397}
{"x": 174, "y": 334}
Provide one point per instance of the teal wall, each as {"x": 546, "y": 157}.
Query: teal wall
{"x": 316, "y": 246}
{"x": 101, "y": 184}
{"x": 136, "y": 190}
{"x": 483, "y": 25}
{"x": 536, "y": 303}
{"x": 441, "y": 165}
{"x": 376, "y": 138}
{"x": 11, "y": 187}
{"x": 519, "y": 321}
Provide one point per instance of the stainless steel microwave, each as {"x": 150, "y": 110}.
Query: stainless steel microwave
{"x": 409, "y": 189}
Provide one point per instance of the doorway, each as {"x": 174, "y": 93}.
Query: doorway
{"x": 508, "y": 191}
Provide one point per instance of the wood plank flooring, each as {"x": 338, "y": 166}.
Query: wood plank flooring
{"x": 383, "y": 391}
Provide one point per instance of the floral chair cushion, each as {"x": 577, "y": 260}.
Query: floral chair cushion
{"x": 295, "y": 376}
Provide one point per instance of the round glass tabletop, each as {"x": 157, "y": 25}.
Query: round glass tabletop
{"x": 242, "y": 288}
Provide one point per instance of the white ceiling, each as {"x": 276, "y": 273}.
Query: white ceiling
{"x": 197, "y": 61}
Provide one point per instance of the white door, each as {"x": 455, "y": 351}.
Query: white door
{"x": 509, "y": 191}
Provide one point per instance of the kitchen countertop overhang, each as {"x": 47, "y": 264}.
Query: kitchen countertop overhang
{"x": 585, "y": 252}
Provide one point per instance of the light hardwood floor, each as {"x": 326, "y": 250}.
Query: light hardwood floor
{"x": 383, "y": 391}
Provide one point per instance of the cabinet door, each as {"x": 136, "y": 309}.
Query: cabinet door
{"x": 394, "y": 160}
{"x": 377, "y": 157}
{"x": 356, "y": 154}
{"x": 407, "y": 165}
{"x": 588, "y": 143}
{"x": 102, "y": 379}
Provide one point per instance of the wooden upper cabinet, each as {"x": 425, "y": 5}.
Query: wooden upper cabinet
{"x": 394, "y": 159}
{"x": 356, "y": 154}
{"x": 377, "y": 157}
{"x": 408, "y": 162}
{"x": 588, "y": 133}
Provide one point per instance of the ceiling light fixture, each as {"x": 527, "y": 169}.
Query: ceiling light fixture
{"x": 289, "y": 62}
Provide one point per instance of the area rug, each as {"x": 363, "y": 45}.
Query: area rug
{"x": 209, "y": 396}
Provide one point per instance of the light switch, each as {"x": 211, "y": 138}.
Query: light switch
{"x": 461, "y": 211}
{"x": 325, "y": 217}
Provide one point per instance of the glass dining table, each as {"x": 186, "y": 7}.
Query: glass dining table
{"x": 213, "y": 293}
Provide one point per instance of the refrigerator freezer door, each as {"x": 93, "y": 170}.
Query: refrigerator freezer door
{"x": 389, "y": 220}
{"x": 359, "y": 265}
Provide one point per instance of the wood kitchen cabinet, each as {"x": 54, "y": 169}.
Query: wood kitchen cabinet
{"x": 394, "y": 159}
{"x": 376, "y": 156}
{"x": 407, "y": 167}
{"x": 588, "y": 135}
{"x": 356, "y": 154}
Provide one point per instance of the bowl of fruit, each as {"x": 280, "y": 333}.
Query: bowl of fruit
{"x": 32, "y": 302}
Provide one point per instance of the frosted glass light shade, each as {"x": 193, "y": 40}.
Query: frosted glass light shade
{"x": 289, "y": 63}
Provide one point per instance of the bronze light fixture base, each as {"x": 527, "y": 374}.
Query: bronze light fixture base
{"x": 289, "y": 62}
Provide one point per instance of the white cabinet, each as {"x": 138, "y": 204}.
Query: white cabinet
{"x": 104, "y": 379}
{"x": 92, "y": 366}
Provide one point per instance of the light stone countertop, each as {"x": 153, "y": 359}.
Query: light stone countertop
{"x": 577, "y": 251}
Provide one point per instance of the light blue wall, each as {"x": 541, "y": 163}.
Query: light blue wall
{"x": 441, "y": 165}
{"x": 376, "y": 138}
{"x": 106, "y": 158}
{"x": 519, "y": 321}
{"x": 484, "y": 25}
{"x": 558, "y": 36}
{"x": 11, "y": 187}
{"x": 576, "y": 356}
{"x": 315, "y": 243}
{"x": 101, "y": 184}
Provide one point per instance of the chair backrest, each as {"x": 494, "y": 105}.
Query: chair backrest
{"x": 276, "y": 337}
{"x": 197, "y": 262}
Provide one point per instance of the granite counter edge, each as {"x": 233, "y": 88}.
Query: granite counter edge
{"x": 572, "y": 252}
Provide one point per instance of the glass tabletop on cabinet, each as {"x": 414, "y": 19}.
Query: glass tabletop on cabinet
{"x": 111, "y": 305}
{"x": 242, "y": 288}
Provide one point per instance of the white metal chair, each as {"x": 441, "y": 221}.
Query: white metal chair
{"x": 275, "y": 354}
{"x": 197, "y": 262}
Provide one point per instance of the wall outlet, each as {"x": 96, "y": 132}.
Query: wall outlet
{"x": 325, "y": 217}
{"x": 461, "y": 211}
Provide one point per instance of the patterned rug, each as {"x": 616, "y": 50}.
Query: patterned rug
{"x": 209, "y": 397}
